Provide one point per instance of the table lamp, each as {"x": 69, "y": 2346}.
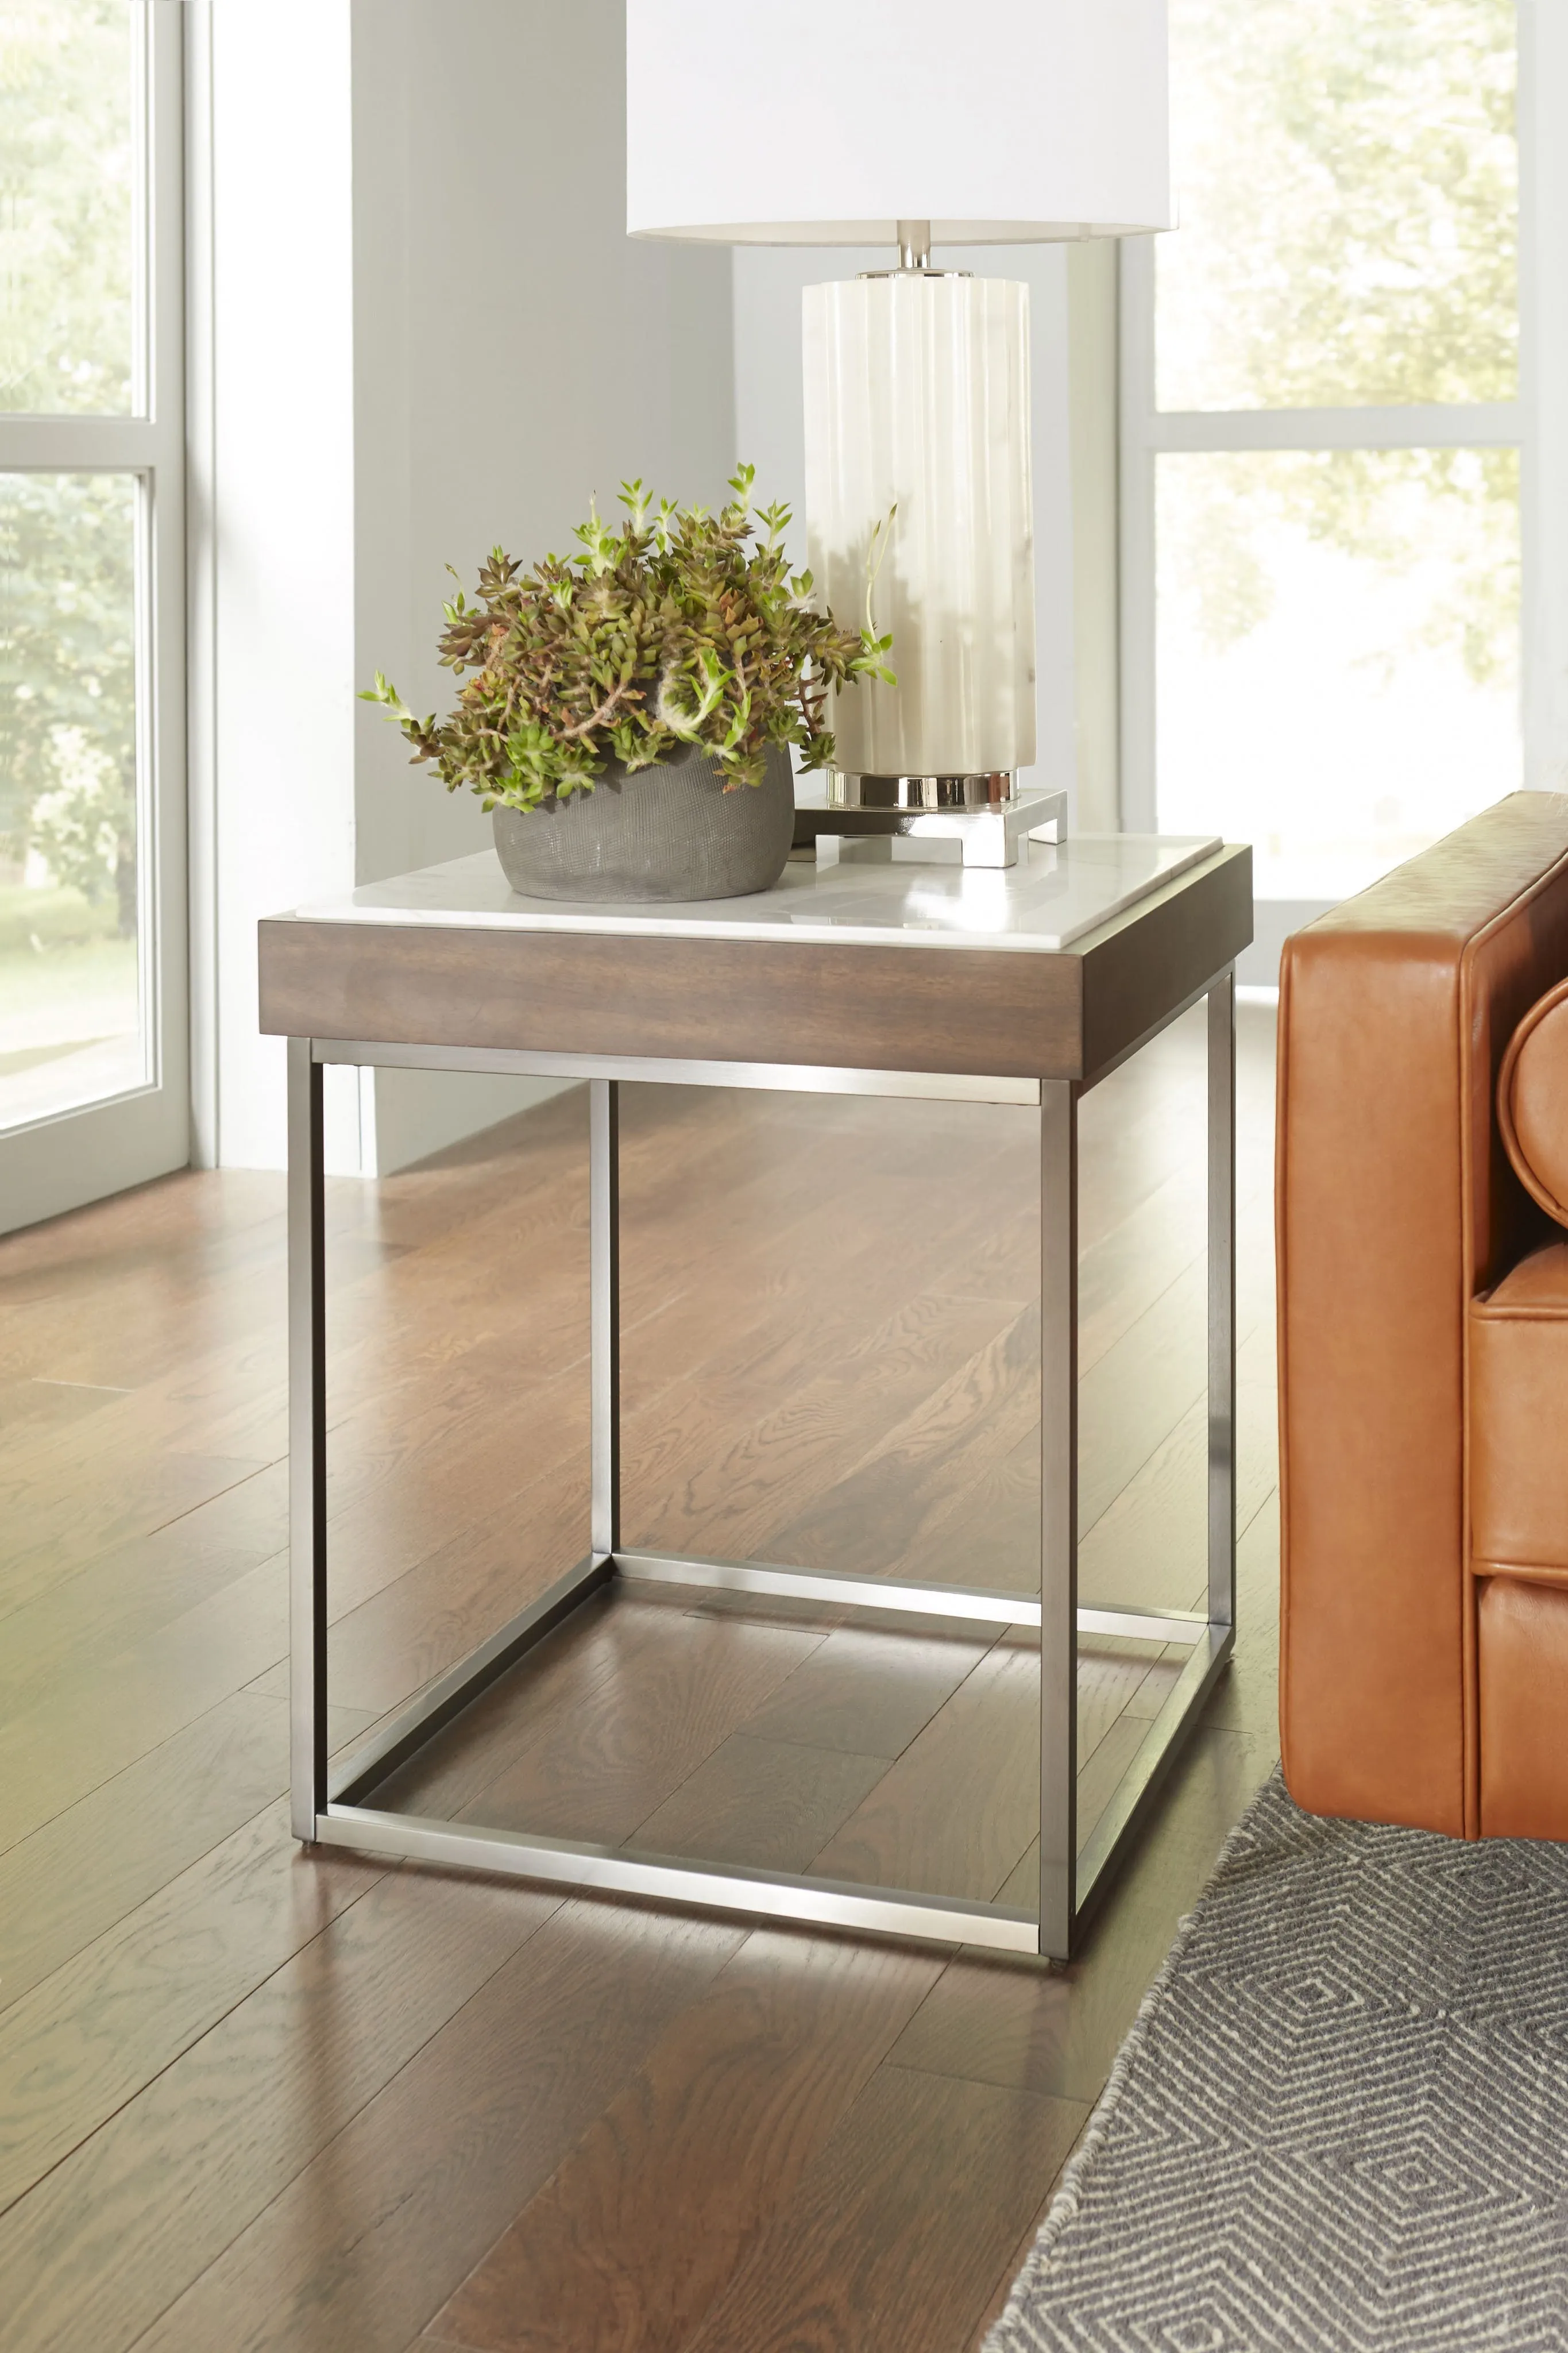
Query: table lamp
{"x": 913, "y": 124}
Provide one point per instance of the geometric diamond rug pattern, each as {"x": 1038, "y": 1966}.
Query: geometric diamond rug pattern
{"x": 1339, "y": 2123}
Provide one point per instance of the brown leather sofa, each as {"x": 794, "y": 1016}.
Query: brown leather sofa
{"x": 1423, "y": 1263}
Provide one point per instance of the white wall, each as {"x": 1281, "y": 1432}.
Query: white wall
{"x": 770, "y": 434}
{"x": 514, "y": 353}
{"x": 430, "y": 334}
{"x": 279, "y": 515}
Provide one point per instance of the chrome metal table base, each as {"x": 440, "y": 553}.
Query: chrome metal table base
{"x": 984, "y": 833}
{"x": 338, "y": 1809}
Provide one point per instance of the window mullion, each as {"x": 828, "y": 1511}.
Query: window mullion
{"x": 83, "y": 444}
{"x": 1478, "y": 424}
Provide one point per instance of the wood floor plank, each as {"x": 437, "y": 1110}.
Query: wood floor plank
{"x": 81, "y": 1621}
{"x": 832, "y": 2272}
{"x": 593, "y": 1691}
{"x": 398, "y": 1493}
{"x": 30, "y": 1405}
{"x": 367, "y": 2242}
{"x": 1111, "y": 1678}
{"x": 865, "y": 1691}
{"x": 1149, "y": 1547}
{"x": 975, "y": 1519}
{"x": 1158, "y": 1684}
{"x": 444, "y": 1311}
{"x": 732, "y": 1312}
{"x": 93, "y": 1864}
{"x": 1128, "y": 1269}
{"x": 133, "y": 2217}
{"x": 701, "y": 1477}
{"x": 960, "y": 1811}
{"x": 1102, "y": 1774}
{"x": 93, "y": 1725}
{"x": 981, "y": 1524}
{"x": 415, "y": 1626}
{"x": 631, "y": 2242}
{"x": 140, "y": 1266}
{"x": 94, "y": 2034}
{"x": 867, "y": 1520}
{"x": 743, "y": 1231}
{"x": 1131, "y": 1399}
{"x": 683, "y": 1687}
{"x": 962, "y": 1803}
{"x": 538, "y": 1696}
{"x": 771, "y": 1803}
{"x": 134, "y": 1495}
{"x": 1058, "y": 2030}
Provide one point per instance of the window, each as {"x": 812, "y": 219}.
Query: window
{"x": 1322, "y": 433}
{"x": 94, "y": 1091}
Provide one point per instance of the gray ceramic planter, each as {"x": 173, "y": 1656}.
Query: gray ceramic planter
{"x": 668, "y": 832}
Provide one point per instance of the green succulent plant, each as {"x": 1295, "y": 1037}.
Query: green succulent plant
{"x": 681, "y": 627}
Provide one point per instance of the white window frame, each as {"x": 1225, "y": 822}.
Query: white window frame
{"x": 71, "y": 1156}
{"x": 1535, "y": 423}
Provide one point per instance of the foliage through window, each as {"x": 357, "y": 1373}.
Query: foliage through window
{"x": 70, "y": 1013}
{"x": 1338, "y": 626}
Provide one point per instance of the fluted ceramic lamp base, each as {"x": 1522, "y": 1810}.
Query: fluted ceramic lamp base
{"x": 920, "y": 518}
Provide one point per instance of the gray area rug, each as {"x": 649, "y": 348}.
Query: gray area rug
{"x": 1340, "y": 2120}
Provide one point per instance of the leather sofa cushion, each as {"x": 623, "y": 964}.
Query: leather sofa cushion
{"x": 1533, "y": 1103}
{"x": 1518, "y": 1423}
{"x": 1523, "y": 1644}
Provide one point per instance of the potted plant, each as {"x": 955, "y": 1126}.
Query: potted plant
{"x": 627, "y": 711}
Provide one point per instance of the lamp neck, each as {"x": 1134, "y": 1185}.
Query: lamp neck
{"x": 915, "y": 255}
{"x": 914, "y": 245}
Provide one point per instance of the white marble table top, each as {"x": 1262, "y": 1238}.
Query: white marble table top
{"x": 1051, "y": 898}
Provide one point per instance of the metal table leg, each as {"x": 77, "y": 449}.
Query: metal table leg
{"x": 307, "y": 1447}
{"x": 605, "y": 1313}
{"x": 1059, "y": 1516}
{"x": 1222, "y": 1299}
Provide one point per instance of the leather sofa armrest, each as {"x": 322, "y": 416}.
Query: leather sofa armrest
{"x": 1395, "y": 1204}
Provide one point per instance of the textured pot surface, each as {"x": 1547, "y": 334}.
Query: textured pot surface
{"x": 668, "y": 832}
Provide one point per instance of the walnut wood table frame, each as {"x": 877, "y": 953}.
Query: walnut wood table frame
{"x": 970, "y": 1023}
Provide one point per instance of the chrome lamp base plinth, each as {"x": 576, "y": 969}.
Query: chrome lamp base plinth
{"x": 990, "y": 790}
{"x": 974, "y": 820}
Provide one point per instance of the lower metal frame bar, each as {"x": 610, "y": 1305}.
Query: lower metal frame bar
{"x": 978, "y": 1604}
{"x": 666, "y": 1879}
{"x": 348, "y": 1820}
{"x": 1071, "y": 1884}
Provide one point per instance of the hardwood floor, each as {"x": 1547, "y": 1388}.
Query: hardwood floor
{"x": 253, "y": 2098}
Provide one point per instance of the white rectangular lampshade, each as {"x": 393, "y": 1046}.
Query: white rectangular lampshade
{"x": 917, "y": 399}
{"x": 827, "y": 121}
